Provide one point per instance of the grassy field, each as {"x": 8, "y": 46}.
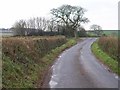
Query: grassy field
{"x": 106, "y": 50}
{"x": 106, "y": 32}
{"x": 111, "y": 32}
{"x": 26, "y": 59}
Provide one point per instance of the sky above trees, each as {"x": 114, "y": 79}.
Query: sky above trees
{"x": 101, "y": 12}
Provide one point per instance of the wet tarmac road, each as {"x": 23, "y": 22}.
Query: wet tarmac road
{"x": 77, "y": 67}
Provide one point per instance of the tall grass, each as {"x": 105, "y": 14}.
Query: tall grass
{"x": 110, "y": 46}
{"x": 105, "y": 58}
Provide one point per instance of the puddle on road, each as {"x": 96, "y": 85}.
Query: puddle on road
{"x": 55, "y": 77}
{"x": 52, "y": 83}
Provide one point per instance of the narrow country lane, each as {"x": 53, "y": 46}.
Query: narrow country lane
{"x": 77, "y": 67}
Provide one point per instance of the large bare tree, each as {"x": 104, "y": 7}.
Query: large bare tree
{"x": 71, "y": 16}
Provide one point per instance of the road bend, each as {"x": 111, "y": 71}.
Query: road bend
{"x": 77, "y": 67}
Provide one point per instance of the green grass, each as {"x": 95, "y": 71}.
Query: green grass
{"x": 91, "y": 34}
{"x": 106, "y": 32}
{"x": 55, "y": 52}
{"x": 112, "y": 32}
{"x": 106, "y": 59}
{"x": 14, "y": 74}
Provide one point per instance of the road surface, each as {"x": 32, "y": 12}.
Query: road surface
{"x": 77, "y": 67}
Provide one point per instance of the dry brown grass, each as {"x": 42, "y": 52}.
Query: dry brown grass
{"x": 16, "y": 47}
{"x": 110, "y": 46}
{"x": 22, "y": 59}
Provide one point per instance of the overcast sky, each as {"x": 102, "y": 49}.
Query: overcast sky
{"x": 101, "y": 12}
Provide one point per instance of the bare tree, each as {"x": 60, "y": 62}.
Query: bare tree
{"x": 43, "y": 24}
{"x": 19, "y": 27}
{"x": 31, "y": 23}
{"x": 38, "y": 23}
{"x": 20, "y": 24}
{"x": 97, "y": 29}
{"x": 71, "y": 16}
{"x": 35, "y": 25}
{"x": 52, "y": 25}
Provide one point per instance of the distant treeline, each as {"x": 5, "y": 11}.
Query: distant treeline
{"x": 39, "y": 32}
{"x": 42, "y": 26}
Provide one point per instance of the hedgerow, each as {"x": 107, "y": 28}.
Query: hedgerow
{"x": 22, "y": 59}
{"x": 110, "y": 46}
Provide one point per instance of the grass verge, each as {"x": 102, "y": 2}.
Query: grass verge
{"x": 50, "y": 58}
{"x": 104, "y": 58}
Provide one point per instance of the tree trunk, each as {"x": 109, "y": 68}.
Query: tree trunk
{"x": 75, "y": 33}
